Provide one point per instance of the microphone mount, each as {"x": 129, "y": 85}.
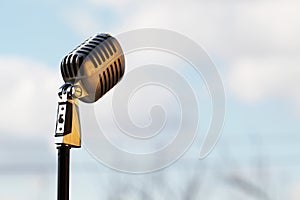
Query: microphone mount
{"x": 67, "y": 123}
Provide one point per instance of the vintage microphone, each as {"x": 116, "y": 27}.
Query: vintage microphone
{"x": 89, "y": 71}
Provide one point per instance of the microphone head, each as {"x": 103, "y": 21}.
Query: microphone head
{"x": 96, "y": 66}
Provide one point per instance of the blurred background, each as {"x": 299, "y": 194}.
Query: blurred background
{"x": 255, "y": 46}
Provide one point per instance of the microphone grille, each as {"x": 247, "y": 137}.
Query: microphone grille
{"x": 98, "y": 63}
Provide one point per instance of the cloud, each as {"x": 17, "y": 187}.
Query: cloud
{"x": 29, "y": 96}
{"x": 254, "y": 80}
{"x": 257, "y": 41}
{"x": 295, "y": 192}
{"x": 226, "y": 29}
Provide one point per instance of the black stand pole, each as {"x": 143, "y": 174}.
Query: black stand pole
{"x": 63, "y": 172}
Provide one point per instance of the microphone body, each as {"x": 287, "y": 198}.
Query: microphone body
{"x": 96, "y": 66}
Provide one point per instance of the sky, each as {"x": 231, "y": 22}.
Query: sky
{"x": 255, "y": 47}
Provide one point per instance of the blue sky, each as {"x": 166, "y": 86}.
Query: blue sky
{"x": 254, "y": 45}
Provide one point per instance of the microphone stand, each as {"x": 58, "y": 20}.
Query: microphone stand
{"x": 63, "y": 172}
{"x": 67, "y": 135}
